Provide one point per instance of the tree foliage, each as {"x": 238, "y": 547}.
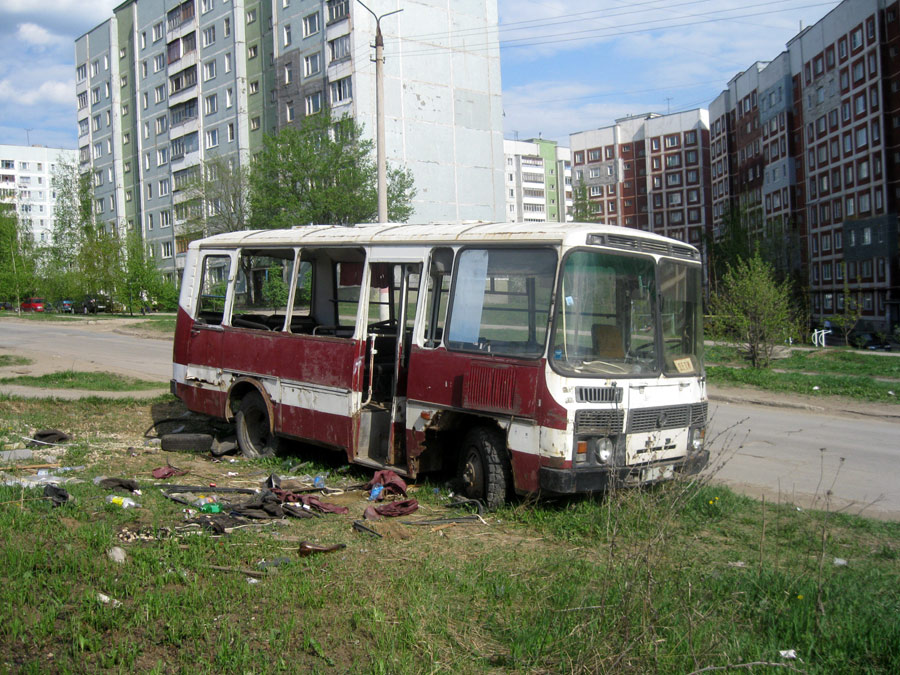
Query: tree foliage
{"x": 322, "y": 173}
{"x": 753, "y": 309}
{"x": 217, "y": 198}
{"x": 18, "y": 259}
{"x": 581, "y": 211}
{"x": 850, "y": 312}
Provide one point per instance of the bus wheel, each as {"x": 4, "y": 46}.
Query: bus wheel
{"x": 484, "y": 471}
{"x": 252, "y": 423}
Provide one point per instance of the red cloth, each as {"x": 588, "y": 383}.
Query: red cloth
{"x": 167, "y": 472}
{"x": 391, "y": 509}
{"x": 311, "y": 501}
{"x": 393, "y": 484}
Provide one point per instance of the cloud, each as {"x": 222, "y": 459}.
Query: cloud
{"x": 46, "y": 93}
{"x": 32, "y": 34}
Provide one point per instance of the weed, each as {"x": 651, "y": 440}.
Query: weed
{"x": 71, "y": 379}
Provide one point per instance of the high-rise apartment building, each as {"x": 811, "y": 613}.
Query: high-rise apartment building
{"x": 26, "y": 185}
{"x": 650, "y": 172}
{"x": 806, "y": 150}
{"x": 163, "y": 86}
{"x": 538, "y": 181}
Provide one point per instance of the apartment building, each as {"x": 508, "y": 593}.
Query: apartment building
{"x": 538, "y": 181}
{"x": 26, "y": 185}
{"x": 650, "y": 172}
{"x": 162, "y": 86}
{"x": 807, "y": 149}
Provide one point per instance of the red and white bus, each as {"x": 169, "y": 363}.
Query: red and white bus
{"x": 539, "y": 357}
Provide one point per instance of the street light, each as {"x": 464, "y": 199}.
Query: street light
{"x": 379, "y": 113}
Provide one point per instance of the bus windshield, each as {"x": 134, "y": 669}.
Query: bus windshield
{"x": 608, "y": 322}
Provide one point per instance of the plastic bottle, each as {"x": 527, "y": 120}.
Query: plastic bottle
{"x": 211, "y": 508}
{"x": 203, "y": 499}
{"x": 375, "y": 492}
{"x": 124, "y": 502}
{"x": 320, "y": 481}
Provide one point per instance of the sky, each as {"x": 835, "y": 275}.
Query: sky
{"x": 566, "y": 66}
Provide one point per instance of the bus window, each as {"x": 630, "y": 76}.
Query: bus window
{"x": 438, "y": 293}
{"x": 262, "y": 289}
{"x": 349, "y": 282}
{"x": 681, "y": 317}
{"x": 301, "y": 312}
{"x": 501, "y": 301}
{"x": 213, "y": 285}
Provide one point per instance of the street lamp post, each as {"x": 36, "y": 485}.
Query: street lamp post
{"x": 379, "y": 113}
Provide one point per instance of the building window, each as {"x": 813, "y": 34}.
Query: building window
{"x": 209, "y": 36}
{"x": 312, "y": 64}
{"x": 338, "y": 9}
{"x": 162, "y": 156}
{"x": 226, "y": 26}
{"x": 341, "y": 90}
{"x": 252, "y": 51}
{"x": 228, "y": 62}
{"x": 212, "y": 138}
{"x": 286, "y": 34}
{"x": 254, "y": 87}
{"x": 230, "y": 132}
{"x": 254, "y": 123}
{"x": 288, "y": 73}
{"x": 251, "y": 16}
{"x": 209, "y": 70}
{"x": 159, "y": 93}
{"x": 314, "y": 103}
{"x": 157, "y": 31}
{"x": 211, "y": 104}
{"x": 229, "y": 96}
{"x": 311, "y": 24}
{"x": 165, "y": 219}
{"x": 289, "y": 111}
{"x": 167, "y": 249}
{"x": 163, "y": 187}
{"x": 339, "y": 48}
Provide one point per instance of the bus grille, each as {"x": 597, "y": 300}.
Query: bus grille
{"x": 599, "y": 421}
{"x": 667, "y": 417}
{"x": 598, "y": 394}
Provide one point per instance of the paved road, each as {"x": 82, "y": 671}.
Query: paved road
{"x": 764, "y": 450}
{"x": 59, "y": 345}
{"x": 795, "y": 455}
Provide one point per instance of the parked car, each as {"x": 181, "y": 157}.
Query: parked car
{"x": 869, "y": 341}
{"x": 6, "y": 306}
{"x": 91, "y": 304}
{"x": 66, "y": 306}
{"x": 34, "y": 305}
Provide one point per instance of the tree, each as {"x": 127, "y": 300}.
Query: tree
{"x": 752, "y": 308}
{"x": 581, "y": 211}
{"x": 142, "y": 281}
{"x": 322, "y": 173}
{"x": 849, "y": 310}
{"x": 216, "y": 199}
{"x": 18, "y": 259}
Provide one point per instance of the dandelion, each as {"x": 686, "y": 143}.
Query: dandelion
{"x": 710, "y": 501}
{"x": 717, "y": 499}
{"x": 800, "y": 596}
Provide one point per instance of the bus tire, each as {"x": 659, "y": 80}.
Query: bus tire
{"x": 484, "y": 471}
{"x": 253, "y": 431}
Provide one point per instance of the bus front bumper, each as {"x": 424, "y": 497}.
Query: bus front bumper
{"x": 599, "y": 479}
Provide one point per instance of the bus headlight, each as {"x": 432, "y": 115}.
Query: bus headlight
{"x": 697, "y": 438}
{"x": 603, "y": 449}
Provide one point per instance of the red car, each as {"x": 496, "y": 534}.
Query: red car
{"x": 34, "y": 305}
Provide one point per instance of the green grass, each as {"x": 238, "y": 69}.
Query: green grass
{"x": 7, "y": 360}
{"x": 671, "y": 579}
{"x": 859, "y": 388}
{"x": 833, "y": 361}
{"x": 70, "y": 379}
{"x": 161, "y": 324}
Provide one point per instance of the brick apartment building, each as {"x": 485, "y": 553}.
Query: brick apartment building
{"x": 650, "y": 172}
{"x": 806, "y": 148}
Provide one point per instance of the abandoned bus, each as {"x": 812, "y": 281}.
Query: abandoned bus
{"x": 540, "y": 357}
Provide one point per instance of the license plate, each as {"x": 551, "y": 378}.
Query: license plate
{"x": 657, "y": 473}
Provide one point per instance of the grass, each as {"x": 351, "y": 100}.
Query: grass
{"x": 832, "y": 372}
{"x": 671, "y": 579}
{"x": 93, "y": 381}
{"x": 160, "y": 324}
{"x": 7, "y": 360}
{"x": 859, "y": 388}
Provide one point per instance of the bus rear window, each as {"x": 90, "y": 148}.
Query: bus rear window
{"x": 501, "y": 301}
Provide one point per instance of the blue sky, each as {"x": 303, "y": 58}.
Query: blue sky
{"x": 566, "y": 66}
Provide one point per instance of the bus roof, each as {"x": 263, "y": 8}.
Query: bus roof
{"x": 572, "y": 234}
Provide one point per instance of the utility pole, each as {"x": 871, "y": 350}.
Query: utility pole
{"x": 379, "y": 113}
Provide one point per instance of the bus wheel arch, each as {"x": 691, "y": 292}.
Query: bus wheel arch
{"x": 484, "y": 470}
{"x": 253, "y": 415}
